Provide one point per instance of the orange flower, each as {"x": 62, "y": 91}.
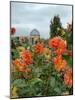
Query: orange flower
{"x": 54, "y": 42}
{"x": 39, "y": 48}
{"x": 68, "y": 78}
{"x": 27, "y": 57}
{"x": 59, "y": 44}
{"x": 59, "y": 63}
{"x": 19, "y": 65}
{"x": 17, "y": 62}
{"x": 62, "y": 44}
{"x": 60, "y": 51}
{"x": 61, "y": 48}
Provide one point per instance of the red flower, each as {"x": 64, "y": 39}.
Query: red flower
{"x": 13, "y": 30}
{"x": 68, "y": 78}
{"x": 59, "y": 63}
{"x": 27, "y": 57}
{"x": 39, "y": 48}
{"x": 54, "y": 42}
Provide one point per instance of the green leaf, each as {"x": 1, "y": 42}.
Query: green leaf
{"x": 70, "y": 62}
{"x": 15, "y": 54}
{"x": 15, "y": 75}
{"x": 52, "y": 82}
{"x": 36, "y": 86}
{"x": 57, "y": 90}
{"x": 68, "y": 59}
{"x": 20, "y": 83}
{"x": 35, "y": 80}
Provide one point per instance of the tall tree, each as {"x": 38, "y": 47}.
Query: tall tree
{"x": 55, "y": 24}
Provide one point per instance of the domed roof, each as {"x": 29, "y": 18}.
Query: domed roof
{"x": 34, "y": 32}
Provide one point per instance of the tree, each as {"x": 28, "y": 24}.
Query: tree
{"x": 69, "y": 35}
{"x": 55, "y": 24}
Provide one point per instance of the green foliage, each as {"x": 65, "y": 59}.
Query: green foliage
{"x": 52, "y": 82}
{"x": 68, "y": 59}
{"x": 15, "y": 53}
{"x": 27, "y": 88}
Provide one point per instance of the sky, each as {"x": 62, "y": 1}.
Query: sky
{"x": 28, "y": 16}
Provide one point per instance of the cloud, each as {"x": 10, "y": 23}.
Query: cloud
{"x": 27, "y": 16}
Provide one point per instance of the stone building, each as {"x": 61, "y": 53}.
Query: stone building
{"x": 34, "y": 36}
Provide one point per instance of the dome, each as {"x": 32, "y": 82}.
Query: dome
{"x": 34, "y": 32}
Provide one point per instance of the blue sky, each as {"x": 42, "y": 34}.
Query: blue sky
{"x": 28, "y": 16}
